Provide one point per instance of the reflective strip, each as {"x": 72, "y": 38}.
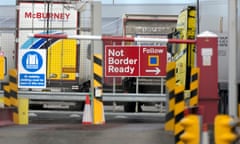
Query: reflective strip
{"x": 6, "y": 98}
{"x": 98, "y": 108}
{"x": 194, "y": 87}
{"x": 98, "y": 71}
{"x": 170, "y": 84}
{"x": 14, "y": 94}
{"x": 178, "y": 112}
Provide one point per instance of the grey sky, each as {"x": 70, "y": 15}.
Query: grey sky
{"x": 7, "y": 2}
{"x": 13, "y": 2}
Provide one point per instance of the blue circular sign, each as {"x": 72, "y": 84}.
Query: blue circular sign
{"x": 32, "y": 61}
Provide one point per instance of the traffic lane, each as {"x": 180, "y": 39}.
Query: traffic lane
{"x": 86, "y": 134}
{"x": 117, "y": 130}
{"x": 76, "y": 117}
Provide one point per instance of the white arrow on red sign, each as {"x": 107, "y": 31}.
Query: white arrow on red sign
{"x": 156, "y": 70}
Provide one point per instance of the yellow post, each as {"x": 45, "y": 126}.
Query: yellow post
{"x": 98, "y": 108}
{"x": 14, "y": 93}
{"x": 170, "y": 84}
{"x": 224, "y": 126}
{"x": 23, "y": 106}
{"x": 1, "y": 101}
{"x": 192, "y": 128}
{"x": 2, "y": 67}
{"x": 194, "y": 86}
{"x": 6, "y": 98}
{"x": 178, "y": 113}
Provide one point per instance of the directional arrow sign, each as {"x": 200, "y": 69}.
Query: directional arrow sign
{"x": 156, "y": 71}
{"x": 153, "y": 61}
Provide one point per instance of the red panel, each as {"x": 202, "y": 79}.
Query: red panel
{"x": 151, "y": 67}
{"x": 121, "y": 61}
{"x": 135, "y": 61}
{"x": 207, "y": 61}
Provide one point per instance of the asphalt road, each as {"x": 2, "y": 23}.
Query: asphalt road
{"x": 119, "y": 129}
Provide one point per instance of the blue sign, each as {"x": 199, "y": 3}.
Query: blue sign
{"x": 32, "y": 68}
{"x": 32, "y": 61}
{"x": 32, "y": 80}
{"x": 153, "y": 60}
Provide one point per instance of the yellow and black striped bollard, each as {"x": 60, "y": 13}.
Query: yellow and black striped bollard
{"x": 179, "y": 113}
{"x": 98, "y": 108}
{"x": 14, "y": 93}
{"x": 194, "y": 87}
{"x": 6, "y": 97}
{"x": 170, "y": 84}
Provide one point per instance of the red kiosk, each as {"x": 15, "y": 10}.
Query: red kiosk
{"x": 207, "y": 61}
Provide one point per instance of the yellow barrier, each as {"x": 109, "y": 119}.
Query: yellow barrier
{"x": 179, "y": 112}
{"x": 23, "y": 106}
{"x": 98, "y": 108}
{"x": 194, "y": 87}
{"x": 170, "y": 84}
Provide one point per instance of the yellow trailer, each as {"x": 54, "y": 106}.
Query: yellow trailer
{"x": 184, "y": 54}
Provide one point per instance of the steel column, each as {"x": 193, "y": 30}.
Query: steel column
{"x": 232, "y": 66}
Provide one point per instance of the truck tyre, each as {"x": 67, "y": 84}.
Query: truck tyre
{"x": 79, "y": 106}
{"x": 131, "y": 106}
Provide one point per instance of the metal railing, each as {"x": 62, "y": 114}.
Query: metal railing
{"x": 80, "y": 96}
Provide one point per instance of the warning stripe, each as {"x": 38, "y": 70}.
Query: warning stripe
{"x": 178, "y": 112}
{"x": 194, "y": 87}
{"x": 98, "y": 70}
{"x": 98, "y": 108}
{"x": 6, "y": 97}
{"x": 169, "y": 120}
{"x": 170, "y": 84}
{"x": 14, "y": 93}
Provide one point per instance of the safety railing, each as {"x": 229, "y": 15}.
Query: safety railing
{"x": 76, "y": 96}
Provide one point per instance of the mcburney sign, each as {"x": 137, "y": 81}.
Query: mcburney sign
{"x": 135, "y": 61}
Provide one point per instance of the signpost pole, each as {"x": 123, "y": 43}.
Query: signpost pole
{"x": 232, "y": 74}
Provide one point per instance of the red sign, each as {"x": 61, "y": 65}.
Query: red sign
{"x": 134, "y": 61}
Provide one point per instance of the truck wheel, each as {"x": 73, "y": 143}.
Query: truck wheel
{"x": 131, "y": 106}
{"x": 79, "y": 106}
{"x": 36, "y": 107}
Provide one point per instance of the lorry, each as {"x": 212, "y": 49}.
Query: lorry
{"x": 184, "y": 54}
{"x": 139, "y": 26}
{"x": 62, "y": 54}
{"x": 146, "y": 26}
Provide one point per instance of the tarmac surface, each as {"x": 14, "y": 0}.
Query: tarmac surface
{"x": 116, "y": 130}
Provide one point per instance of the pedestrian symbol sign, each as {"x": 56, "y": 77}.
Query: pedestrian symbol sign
{"x": 32, "y": 69}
